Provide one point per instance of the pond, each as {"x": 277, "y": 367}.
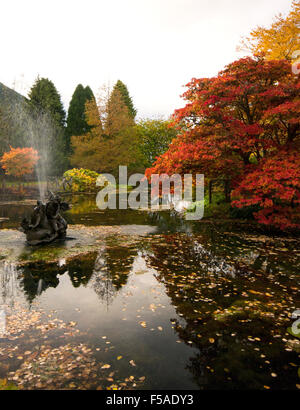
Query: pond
{"x": 141, "y": 300}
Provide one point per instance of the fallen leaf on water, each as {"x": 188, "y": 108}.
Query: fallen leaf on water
{"x": 105, "y": 366}
{"x": 159, "y": 328}
{"x": 119, "y": 357}
{"x": 132, "y": 363}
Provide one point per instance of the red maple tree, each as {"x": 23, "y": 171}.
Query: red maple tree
{"x": 19, "y": 161}
{"x": 243, "y": 124}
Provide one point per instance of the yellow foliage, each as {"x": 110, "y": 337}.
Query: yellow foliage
{"x": 111, "y": 141}
{"x": 83, "y": 180}
{"x": 279, "y": 41}
{"x": 19, "y": 161}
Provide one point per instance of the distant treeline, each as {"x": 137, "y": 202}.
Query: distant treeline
{"x": 98, "y": 134}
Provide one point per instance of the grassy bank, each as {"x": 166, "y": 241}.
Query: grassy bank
{"x": 219, "y": 208}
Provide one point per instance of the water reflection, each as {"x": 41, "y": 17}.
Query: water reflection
{"x": 85, "y": 211}
{"x": 102, "y": 281}
{"x": 230, "y": 314}
{"x": 10, "y": 287}
{"x": 106, "y": 270}
{"x": 222, "y": 299}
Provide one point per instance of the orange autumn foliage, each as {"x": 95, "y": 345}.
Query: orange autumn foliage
{"x": 19, "y": 161}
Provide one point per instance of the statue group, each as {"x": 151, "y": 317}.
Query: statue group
{"x": 46, "y": 223}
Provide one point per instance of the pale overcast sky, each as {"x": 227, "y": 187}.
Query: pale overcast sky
{"x": 154, "y": 46}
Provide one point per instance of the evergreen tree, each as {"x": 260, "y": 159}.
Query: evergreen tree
{"x": 45, "y": 97}
{"x": 123, "y": 90}
{"x": 48, "y": 126}
{"x": 117, "y": 116}
{"x": 13, "y": 125}
{"x": 76, "y": 122}
{"x": 89, "y": 93}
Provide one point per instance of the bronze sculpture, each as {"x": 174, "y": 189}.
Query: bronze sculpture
{"x": 46, "y": 223}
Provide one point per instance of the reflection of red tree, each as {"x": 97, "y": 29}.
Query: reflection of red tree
{"x": 218, "y": 312}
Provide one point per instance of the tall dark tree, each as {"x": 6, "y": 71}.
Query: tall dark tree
{"x": 123, "y": 90}
{"x": 13, "y": 129}
{"x": 44, "y": 96}
{"x": 89, "y": 93}
{"x": 48, "y": 126}
{"x": 76, "y": 122}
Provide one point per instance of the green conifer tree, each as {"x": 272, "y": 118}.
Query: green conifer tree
{"x": 123, "y": 90}
{"x": 76, "y": 122}
{"x": 48, "y": 125}
{"x": 44, "y": 96}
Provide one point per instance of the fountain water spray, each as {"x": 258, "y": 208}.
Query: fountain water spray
{"x": 42, "y": 134}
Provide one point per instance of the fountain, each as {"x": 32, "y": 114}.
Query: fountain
{"x": 46, "y": 223}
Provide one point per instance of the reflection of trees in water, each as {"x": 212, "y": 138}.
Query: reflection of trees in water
{"x": 189, "y": 253}
{"x": 9, "y": 284}
{"x": 211, "y": 252}
{"x": 101, "y": 281}
{"x": 169, "y": 221}
{"x": 218, "y": 314}
{"x": 36, "y": 277}
{"x": 109, "y": 267}
{"x": 210, "y": 261}
{"x": 119, "y": 260}
{"x": 112, "y": 267}
{"x": 83, "y": 205}
{"x": 80, "y": 268}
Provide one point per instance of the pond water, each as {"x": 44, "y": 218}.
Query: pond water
{"x": 140, "y": 300}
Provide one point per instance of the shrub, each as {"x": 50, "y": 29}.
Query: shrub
{"x": 218, "y": 208}
{"x": 83, "y": 180}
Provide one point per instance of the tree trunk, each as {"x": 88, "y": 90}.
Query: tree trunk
{"x": 210, "y": 185}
